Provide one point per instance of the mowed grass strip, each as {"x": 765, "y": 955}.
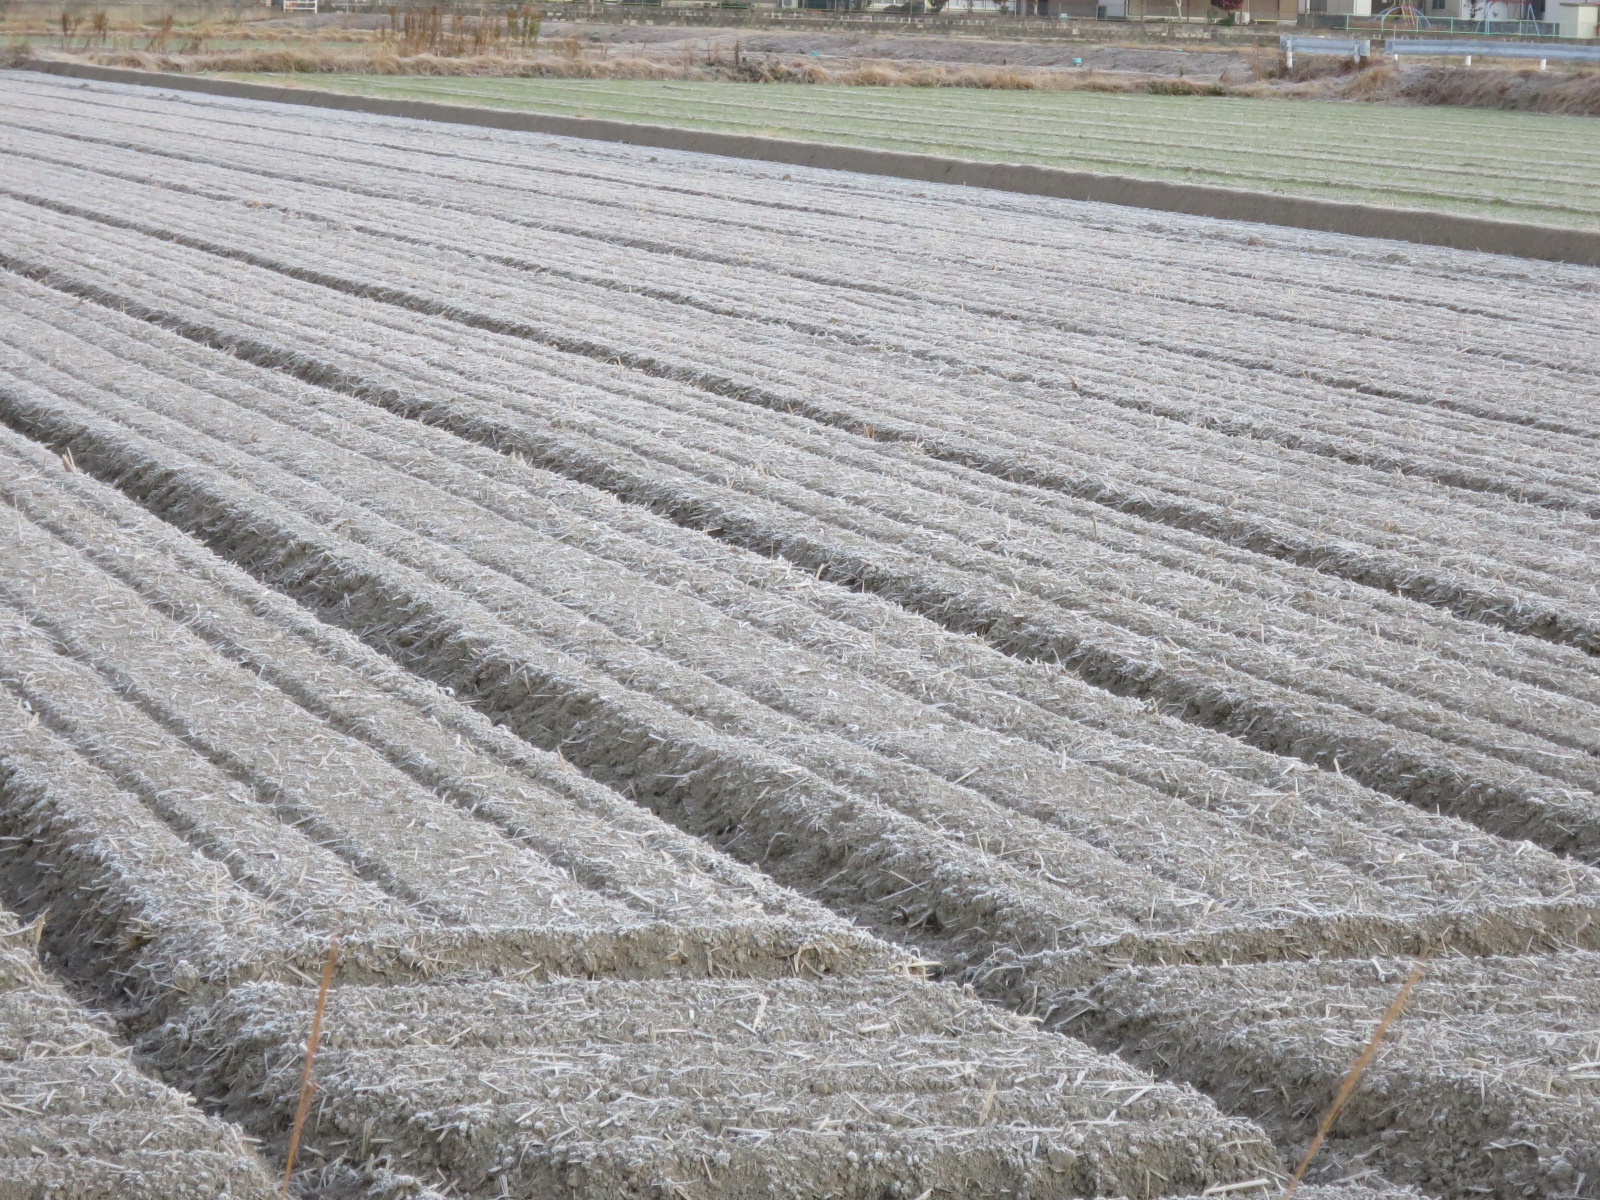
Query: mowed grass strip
{"x": 1514, "y": 166}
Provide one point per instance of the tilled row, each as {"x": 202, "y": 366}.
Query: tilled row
{"x": 1224, "y": 146}
{"x": 81, "y": 1122}
{"x": 928, "y": 237}
{"x": 1488, "y": 1084}
{"x": 908, "y": 233}
{"x": 728, "y": 1088}
{"x": 1085, "y": 359}
{"x": 990, "y": 834}
{"x": 631, "y": 572}
{"x": 299, "y": 768}
{"x": 540, "y": 989}
{"x": 1407, "y": 528}
{"x": 1494, "y": 728}
{"x": 541, "y": 271}
{"x": 1524, "y": 567}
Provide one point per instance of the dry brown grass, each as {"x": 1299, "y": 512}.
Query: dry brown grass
{"x": 540, "y": 62}
{"x": 385, "y": 61}
{"x": 1575, "y": 92}
{"x": 432, "y": 42}
{"x": 307, "y": 1083}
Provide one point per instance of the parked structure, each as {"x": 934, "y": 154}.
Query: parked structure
{"x": 1579, "y": 20}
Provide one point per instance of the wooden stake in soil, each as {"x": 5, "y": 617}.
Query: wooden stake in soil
{"x": 1363, "y": 1061}
{"x": 306, "y": 1086}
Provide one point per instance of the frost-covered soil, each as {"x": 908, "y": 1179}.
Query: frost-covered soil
{"x": 81, "y": 1120}
{"x": 657, "y": 609}
{"x": 1424, "y": 152}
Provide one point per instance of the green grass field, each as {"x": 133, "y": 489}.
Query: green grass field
{"x": 1516, "y": 166}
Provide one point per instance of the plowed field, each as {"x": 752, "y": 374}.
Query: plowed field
{"x": 781, "y": 683}
{"x": 1507, "y": 165}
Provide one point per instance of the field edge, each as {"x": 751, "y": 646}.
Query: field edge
{"x": 1419, "y": 226}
